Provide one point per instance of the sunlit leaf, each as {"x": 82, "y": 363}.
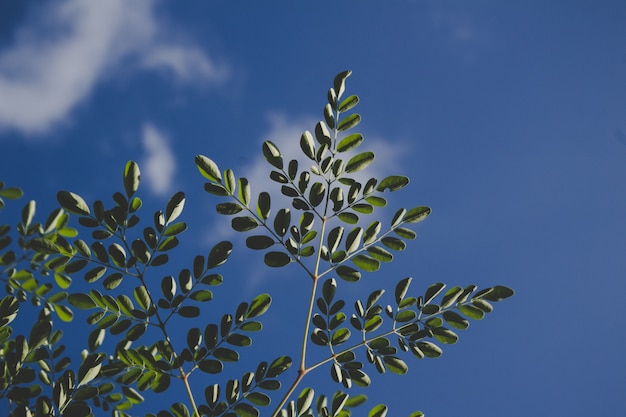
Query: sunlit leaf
{"x": 349, "y": 142}
{"x": 174, "y": 207}
{"x": 339, "y": 83}
{"x": 444, "y": 335}
{"x": 278, "y": 366}
{"x": 432, "y": 291}
{"x": 307, "y": 145}
{"x": 379, "y": 253}
{"x": 430, "y": 349}
{"x": 64, "y": 313}
{"x": 219, "y": 254}
{"x": 208, "y": 168}
{"x": 272, "y": 154}
{"x": 366, "y": 263}
{"x": 348, "y": 103}
{"x": 131, "y": 178}
{"x": 73, "y": 203}
{"x": 349, "y": 218}
{"x": 259, "y": 305}
{"x": 472, "y": 312}
{"x": 417, "y": 214}
{"x": 359, "y": 162}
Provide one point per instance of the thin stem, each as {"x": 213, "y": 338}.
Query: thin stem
{"x": 189, "y": 393}
{"x": 292, "y": 388}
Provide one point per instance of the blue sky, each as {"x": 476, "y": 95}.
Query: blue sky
{"x": 510, "y": 119}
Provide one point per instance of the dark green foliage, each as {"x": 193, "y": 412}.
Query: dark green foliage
{"x": 135, "y": 298}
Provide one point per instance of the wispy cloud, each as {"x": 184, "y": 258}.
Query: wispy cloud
{"x": 159, "y": 165}
{"x": 65, "y": 48}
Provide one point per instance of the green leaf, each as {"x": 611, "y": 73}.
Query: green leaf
{"x": 228, "y": 208}
{"x": 329, "y": 289}
{"x": 340, "y": 336}
{"x": 64, "y": 313}
{"x": 244, "y": 223}
{"x": 349, "y": 122}
{"x": 259, "y": 242}
{"x": 395, "y": 365}
{"x": 379, "y": 253}
{"x": 498, "y": 293}
{"x": 317, "y": 194}
{"x": 258, "y": 398}
{"x": 210, "y": 366}
{"x": 308, "y": 145}
{"x": 208, "y": 168}
{"x": 455, "y": 320}
{"x": 259, "y": 306}
{"x": 82, "y": 301}
{"x": 392, "y": 183}
{"x": 406, "y": 315}
{"x": 339, "y": 83}
{"x": 347, "y": 273}
{"x": 451, "y": 296}
{"x": 263, "y": 205}
{"x": 131, "y": 178}
{"x": 432, "y": 291}
{"x": 278, "y": 366}
{"x": 272, "y": 154}
{"x": 363, "y": 208}
{"x": 366, "y": 263}
{"x": 482, "y": 304}
{"x": 401, "y": 289}
{"x": 62, "y": 280}
{"x": 245, "y": 410}
{"x": 329, "y": 118}
{"x": 201, "y": 295}
{"x": 44, "y": 246}
{"x": 240, "y": 340}
{"x": 215, "y": 189}
{"x": 73, "y": 203}
{"x": 174, "y": 207}
{"x": 276, "y": 259}
{"x": 219, "y": 254}
{"x": 379, "y": 411}
{"x": 348, "y": 103}
{"x": 430, "y": 350}
{"x": 353, "y": 240}
{"x": 359, "y": 162}
{"x": 417, "y": 214}
{"x": 349, "y": 218}
{"x": 282, "y": 221}
{"x": 472, "y": 312}
{"x": 305, "y": 399}
{"x": 39, "y": 334}
{"x": 189, "y": 311}
{"x": 90, "y": 368}
{"x": 12, "y": 193}
{"x": 444, "y": 335}
{"x": 393, "y": 243}
{"x": 350, "y": 142}
{"x": 230, "y": 181}
{"x": 405, "y": 233}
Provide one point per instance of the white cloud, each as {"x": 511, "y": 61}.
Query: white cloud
{"x": 159, "y": 165}
{"x": 65, "y": 48}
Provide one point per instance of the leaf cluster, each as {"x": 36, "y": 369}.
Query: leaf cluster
{"x": 334, "y": 229}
